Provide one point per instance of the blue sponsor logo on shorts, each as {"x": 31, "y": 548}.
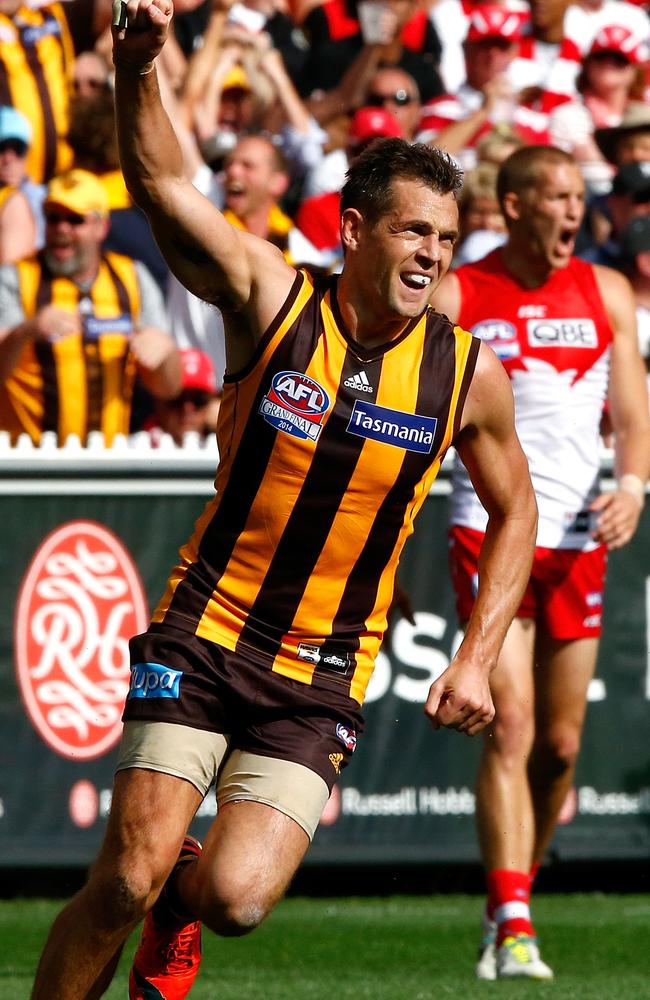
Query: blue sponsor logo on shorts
{"x": 403, "y": 430}
{"x": 154, "y": 680}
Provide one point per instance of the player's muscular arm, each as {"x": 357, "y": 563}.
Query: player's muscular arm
{"x": 629, "y": 414}
{"x": 210, "y": 257}
{"x": 490, "y": 449}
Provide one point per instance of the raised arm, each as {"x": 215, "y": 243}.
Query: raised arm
{"x": 629, "y": 415}
{"x": 212, "y": 259}
{"x": 492, "y": 454}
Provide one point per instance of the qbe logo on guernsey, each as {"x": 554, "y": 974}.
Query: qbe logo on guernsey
{"x": 79, "y": 603}
{"x": 562, "y": 333}
{"x": 295, "y": 404}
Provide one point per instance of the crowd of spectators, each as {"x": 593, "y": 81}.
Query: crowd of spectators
{"x": 271, "y": 100}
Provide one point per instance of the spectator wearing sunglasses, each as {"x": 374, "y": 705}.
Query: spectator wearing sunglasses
{"x": 195, "y": 409}
{"x": 18, "y": 227}
{"x": 396, "y": 91}
{"x": 79, "y": 325}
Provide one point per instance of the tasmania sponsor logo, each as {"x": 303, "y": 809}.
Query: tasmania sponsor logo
{"x": 154, "y": 680}
{"x": 403, "y": 430}
{"x": 79, "y": 603}
{"x": 295, "y": 404}
{"x": 500, "y": 335}
{"x": 32, "y": 35}
{"x": 94, "y": 327}
{"x": 562, "y": 333}
{"x": 347, "y": 736}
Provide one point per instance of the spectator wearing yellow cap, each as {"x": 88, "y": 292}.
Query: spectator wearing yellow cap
{"x": 79, "y": 325}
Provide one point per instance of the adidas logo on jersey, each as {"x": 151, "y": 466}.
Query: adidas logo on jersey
{"x": 360, "y": 382}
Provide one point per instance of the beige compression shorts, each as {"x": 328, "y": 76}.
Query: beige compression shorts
{"x": 200, "y": 757}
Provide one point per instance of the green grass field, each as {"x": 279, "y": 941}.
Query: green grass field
{"x": 398, "y": 948}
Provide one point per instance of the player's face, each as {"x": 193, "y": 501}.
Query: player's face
{"x": 408, "y": 251}
{"x": 551, "y": 213}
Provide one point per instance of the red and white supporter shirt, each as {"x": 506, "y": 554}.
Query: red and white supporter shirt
{"x": 443, "y": 111}
{"x": 555, "y": 344}
{"x": 550, "y": 67}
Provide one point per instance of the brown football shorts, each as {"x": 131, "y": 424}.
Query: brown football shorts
{"x": 225, "y": 718}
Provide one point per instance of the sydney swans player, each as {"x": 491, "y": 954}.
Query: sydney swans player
{"x": 565, "y": 332}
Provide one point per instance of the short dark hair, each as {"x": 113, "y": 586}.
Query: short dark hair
{"x": 369, "y": 180}
{"x": 521, "y": 169}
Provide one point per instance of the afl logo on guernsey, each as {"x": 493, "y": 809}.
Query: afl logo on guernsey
{"x": 500, "y": 335}
{"x": 296, "y": 405}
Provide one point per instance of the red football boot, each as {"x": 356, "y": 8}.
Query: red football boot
{"x": 169, "y": 953}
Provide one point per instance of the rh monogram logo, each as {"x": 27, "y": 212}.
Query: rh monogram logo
{"x": 79, "y": 603}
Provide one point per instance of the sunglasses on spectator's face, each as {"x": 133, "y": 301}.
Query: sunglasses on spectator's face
{"x": 14, "y": 146}
{"x": 89, "y": 82}
{"x": 72, "y": 219}
{"x": 399, "y": 97}
{"x": 195, "y": 397}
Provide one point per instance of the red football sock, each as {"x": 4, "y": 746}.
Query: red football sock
{"x": 509, "y": 894}
{"x": 534, "y": 868}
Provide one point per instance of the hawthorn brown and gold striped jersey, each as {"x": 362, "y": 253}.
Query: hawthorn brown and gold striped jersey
{"x": 327, "y": 452}
{"x": 84, "y": 381}
{"x": 36, "y": 58}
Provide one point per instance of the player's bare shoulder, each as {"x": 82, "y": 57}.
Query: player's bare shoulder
{"x": 489, "y": 403}
{"x": 618, "y": 297}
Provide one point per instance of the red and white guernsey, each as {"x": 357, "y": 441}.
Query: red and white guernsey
{"x": 555, "y": 344}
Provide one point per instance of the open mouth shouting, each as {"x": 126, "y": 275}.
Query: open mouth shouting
{"x": 416, "y": 280}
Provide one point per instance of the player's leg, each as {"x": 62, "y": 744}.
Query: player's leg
{"x": 505, "y": 815}
{"x": 565, "y": 669}
{"x": 249, "y": 858}
{"x": 503, "y": 805}
{"x": 569, "y": 627}
{"x": 268, "y": 812}
{"x": 149, "y": 815}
